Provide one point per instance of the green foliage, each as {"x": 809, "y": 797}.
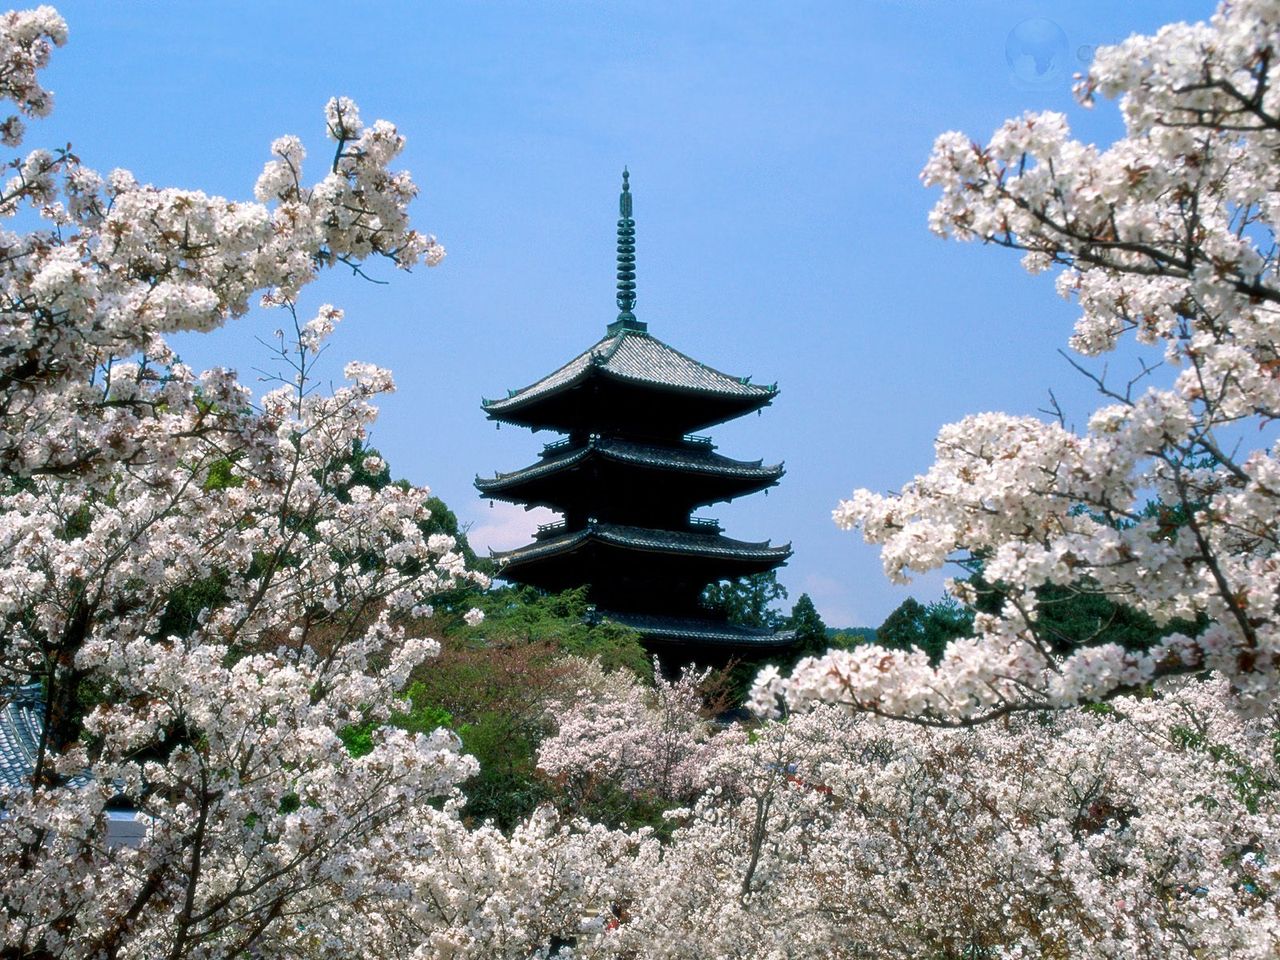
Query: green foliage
{"x": 811, "y": 632}
{"x": 846, "y": 637}
{"x": 182, "y": 611}
{"x": 1081, "y": 614}
{"x": 358, "y": 738}
{"x": 423, "y": 717}
{"x": 221, "y": 475}
{"x": 1250, "y": 784}
{"x": 508, "y": 787}
{"x": 748, "y": 601}
{"x": 494, "y": 696}
{"x": 492, "y": 683}
{"x": 563, "y": 620}
{"x": 811, "y": 640}
{"x": 1076, "y": 617}
{"x": 914, "y": 626}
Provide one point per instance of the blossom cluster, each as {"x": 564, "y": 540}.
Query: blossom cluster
{"x": 1167, "y": 501}
{"x": 206, "y": 595}
{"x": 211, "y": 596}
{"x": 610, "y": 727}
{"x": 1149, "y": 827}
{"x": 27, "y": 38}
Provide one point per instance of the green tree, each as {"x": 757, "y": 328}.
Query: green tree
{"x": 915, "y": 626}
{"x": 847, "y": 637}
{"x": 748, "y": 601}
{"x": 811, "y": 632}
{"x": 564, "y": 621}
{"x": 442, "y": 519}
{"x": 492, "y": 682}
{"x": 1081, "y": 615}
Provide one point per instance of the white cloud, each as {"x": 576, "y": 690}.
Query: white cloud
{"x": 504, "y": 526}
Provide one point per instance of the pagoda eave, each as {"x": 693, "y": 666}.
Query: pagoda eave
{"x": 570, "y": 558}
{"x": 631, "y": 380}
{"x": 602, "y": 400}
{"x": 630, "y": 472}
{"x": 700, "y": 631}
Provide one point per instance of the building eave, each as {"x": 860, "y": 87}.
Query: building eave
{"x": 691, "y": 462}
{"x": 644, "y": 539}
{"x": 698, "y": 630}
{"x": 631, "y": 357}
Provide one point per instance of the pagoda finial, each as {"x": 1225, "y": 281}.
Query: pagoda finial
{"x": 626, "y": 262}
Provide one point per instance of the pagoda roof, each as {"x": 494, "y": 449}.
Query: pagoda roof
{"x": 679, "y": 542}
{"x": 700, "y": 460}
{"x": 699, "y": 630}
{"x": 634, "y": 357}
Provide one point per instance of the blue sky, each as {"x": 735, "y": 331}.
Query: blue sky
{"x": 774, "y": 148}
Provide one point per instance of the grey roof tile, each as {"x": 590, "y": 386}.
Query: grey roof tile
{"x": 705, "y": 631}
{"x": 643, "y": 538}
{"x": 21, "y": 726}
{"x": 701, "y": 461}
{"x": 21, "y": 723}
{"x": 637, "y": 357}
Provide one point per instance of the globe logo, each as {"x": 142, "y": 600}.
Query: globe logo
{"x": 1036, "y": 51}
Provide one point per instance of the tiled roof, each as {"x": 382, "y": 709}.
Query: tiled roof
{"x": 643, "y": 538}
{"x": 21, "y": 722}
{"x": 637, "y": 357}
{"x": 704, "y": 631}
{"x": 702, "y": 461}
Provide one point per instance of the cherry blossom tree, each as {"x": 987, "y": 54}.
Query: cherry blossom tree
{"x": 1167, "y": 242}
{"x": 1147, "y": 826}
{"x": 610, "y": 727}
{"x": 132, "y": 486}
{"x": 209, "y": 594}
{"x": 548, "y": 889}
{"x": 1146, "y": 829}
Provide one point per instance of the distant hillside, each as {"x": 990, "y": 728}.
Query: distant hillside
{"x": 850, "y": 636}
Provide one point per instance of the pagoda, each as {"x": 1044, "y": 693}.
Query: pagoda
{"x": 627, "y": 477}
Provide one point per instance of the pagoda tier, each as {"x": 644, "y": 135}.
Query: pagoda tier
{"x": 634, "y": 384}
{"x": 625, "y": 481}
{"x": 632, "y": 568}
{"x": 680, "y": 633}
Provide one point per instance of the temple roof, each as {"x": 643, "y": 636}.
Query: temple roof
{"x": 690, "y": 459}
{"x": 21, "y": 723}
{"x": 680, "y": 542}
{"x": 21, "y": 726}
{"x": 634, "y": 357}
{"x": 698, "y": 630}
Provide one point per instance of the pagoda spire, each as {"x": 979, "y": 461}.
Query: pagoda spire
{"x": 626, "y": 263}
